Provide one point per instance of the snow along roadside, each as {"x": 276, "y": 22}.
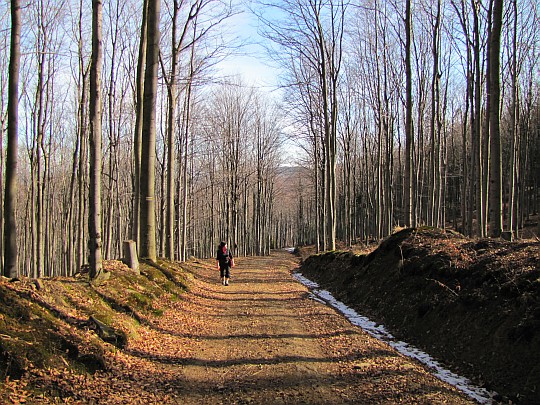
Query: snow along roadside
{"x": 379, "y": 332}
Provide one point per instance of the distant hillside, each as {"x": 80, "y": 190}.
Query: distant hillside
{"x": 290, "y": 183}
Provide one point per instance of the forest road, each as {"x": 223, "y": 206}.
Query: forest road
{"x": 264, "y": 340}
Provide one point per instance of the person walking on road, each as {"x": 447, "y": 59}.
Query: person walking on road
{"x": 225, "y": 261}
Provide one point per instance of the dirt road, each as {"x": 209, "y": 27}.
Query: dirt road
{"x": 263, "y": 340}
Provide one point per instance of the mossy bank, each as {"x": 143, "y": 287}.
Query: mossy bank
{"x": 72, "y": 327}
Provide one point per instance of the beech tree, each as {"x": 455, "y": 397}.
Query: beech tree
{"x": 94, "y": 223}
{"x": 137, "y": 138}
{"x": 10, "y": 228}
{"x": 148, "y": 154}
{"x": 495, "y": 157}
{"x": 409, "y": 137}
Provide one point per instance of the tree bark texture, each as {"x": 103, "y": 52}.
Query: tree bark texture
{"x": 137, "y": 138}
{"x": 495, "y": 158}
{"x": 148, "y": 199}
{"x": 94, "y": 223}
{"x": 408, "y": 188}
{"x": 10, "y": 227}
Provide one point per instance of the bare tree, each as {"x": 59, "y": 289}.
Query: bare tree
{"x": 495, "y": 158}
{"x": 10, "y": 228}
{"x": 137, "y": 138}
{"x": 94, "y": 224}
{"x": 409, "y": 137}
{"x": 148, "y": 156}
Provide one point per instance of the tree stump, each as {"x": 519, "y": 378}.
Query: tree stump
{"x": 130, "y": 255}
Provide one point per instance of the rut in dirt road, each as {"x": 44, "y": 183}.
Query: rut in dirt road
{"x": 265, "y": 340}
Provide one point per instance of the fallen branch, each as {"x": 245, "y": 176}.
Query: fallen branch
{"x": 443, "y": 286}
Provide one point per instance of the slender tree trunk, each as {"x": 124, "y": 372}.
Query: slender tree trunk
{"x": 2, "y": 124}
{"x": 466, "y": 185}
{"x": 137, "y": 142}
{"x": 94, "y": 223}
{"x": 466, "y": 220}
{"x": 162, "y": 202}
{"x": 10, "y": 228}
{"x": 514, "y": 125}
{"x": 70, "y": 204}
{"x": 408, "y": 119}
{"x": 171, "y": 130}
{"x": 434, "y": 124}
{"x": 317, "y": 194}
{"x": 114, "y": 142}
{"x": 185, "y": 169}
{"x": 183, "y": 251}
{"x": 379, "y": 199}
{"x": 477, "y": 184}
{"x": 82, "y": 175}
{"x": 39, "y": 145}
{"x": 82, "y": 117}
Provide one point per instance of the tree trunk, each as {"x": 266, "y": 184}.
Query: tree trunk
{"x": 495, "y": 175}
{"x": 515, "y": 125}
{"x": 408, "y": 188}
{"x": 183, "y": 250}
{"x": 466, "y": 184}
{"x": 94, "y": 223}
{"x": 2, "y": 128}
{"x": 477, "y": 193}
{"x": 41, "y": 52}
{"x": 82, "y": 117}
{"x": 70, "y": 203}
{"x": 434, "y": 170}
{"x": 148, "y": 157}
{"x": 137, "y": 142}
{"x": 10, "y": 228}
{"x": 171, "y": 130}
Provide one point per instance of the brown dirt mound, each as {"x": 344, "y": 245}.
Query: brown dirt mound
{"x": 475, "y": 304}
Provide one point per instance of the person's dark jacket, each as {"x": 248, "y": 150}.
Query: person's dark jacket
{"x": 224, "y": 258}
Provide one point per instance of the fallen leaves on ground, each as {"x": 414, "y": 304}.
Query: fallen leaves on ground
{"x": 259, "y": 340}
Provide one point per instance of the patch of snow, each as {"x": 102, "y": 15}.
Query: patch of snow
{"x": 315, "y": 298}
{"x": 308, "y": 283}
{"x": 379, "y": 332}
{"x": 290, "y": 249}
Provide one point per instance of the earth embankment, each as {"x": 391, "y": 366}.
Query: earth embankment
{"x": 473, "y": 304}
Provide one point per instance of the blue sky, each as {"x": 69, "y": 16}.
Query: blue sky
{"x": 252, "y": 65}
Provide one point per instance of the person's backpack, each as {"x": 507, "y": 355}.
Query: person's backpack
{"x": 224, "y": 258}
